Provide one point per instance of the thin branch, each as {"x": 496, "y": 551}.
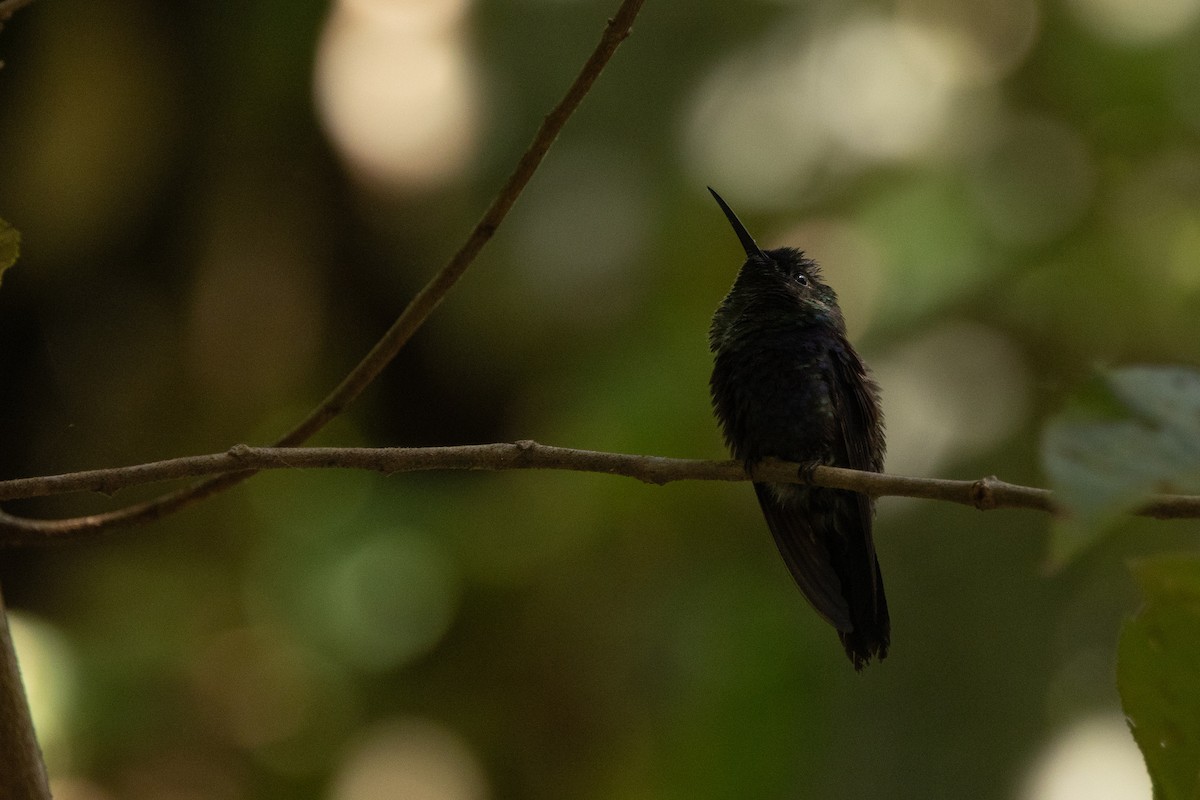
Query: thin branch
{"x": 984, "y": 494}
{"x": 409, "y": 321}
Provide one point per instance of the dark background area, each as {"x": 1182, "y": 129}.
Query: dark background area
{"x": 223, "y": 204}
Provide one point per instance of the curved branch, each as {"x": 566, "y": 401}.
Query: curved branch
{"x": 409, "y": 321}
{"x": 984, "y": 494}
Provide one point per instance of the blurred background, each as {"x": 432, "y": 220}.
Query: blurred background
{"x": 223, "y": 204}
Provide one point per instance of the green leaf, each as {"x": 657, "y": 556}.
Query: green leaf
{"x": 1168, "y": 396}
{"x": 10, "y": 246}
{"x": 1158, "y": 674}
{"x": 1127, "y": 434}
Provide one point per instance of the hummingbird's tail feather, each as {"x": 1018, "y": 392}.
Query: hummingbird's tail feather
{"x": 807, "y": 558}
{"x": 872, "y": 634}
{"x": 862, "y": 582}
{"x": 832, "y": 559}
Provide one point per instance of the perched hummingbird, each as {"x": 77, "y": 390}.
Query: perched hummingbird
{"x": 787, "y": 384}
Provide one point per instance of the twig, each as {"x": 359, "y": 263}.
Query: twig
{"x": 984, "y": 494}
{"x": 409, "y": 321}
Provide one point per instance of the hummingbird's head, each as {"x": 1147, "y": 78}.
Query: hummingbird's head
{"x": 783, "y": 275}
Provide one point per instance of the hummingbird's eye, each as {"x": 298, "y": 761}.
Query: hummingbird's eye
{"x": 801, "y": 279}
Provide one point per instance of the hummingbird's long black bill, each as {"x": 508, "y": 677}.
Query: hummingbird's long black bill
{"x": 748, "y": 244}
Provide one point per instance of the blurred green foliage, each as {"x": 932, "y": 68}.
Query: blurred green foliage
{"x": 1159, "y": 672}
{"x": 1128, "y": 432}
{"x": 1003, "y": 193}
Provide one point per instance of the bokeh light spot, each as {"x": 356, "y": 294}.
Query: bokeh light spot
{"x": 884, "y": 87}
{"x": 1095, "y": 759}
{"x": 987, "y": 38}
{"x": 419, "y": 16}
{"x": 752, "y": 132}
{"x": 1135, "y": 22}
{"x": 953, "y": 392}
{"x": 396, "y": 92}
{"x": 412, "y": 759}
{"x": 391, "y": 599}
{"x": 820, "y": 100}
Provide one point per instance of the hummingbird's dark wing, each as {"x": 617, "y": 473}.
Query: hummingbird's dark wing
{"x": 806, "y": 556}
{"x": 859, "y": 439}
{"x": 858, "y": 444}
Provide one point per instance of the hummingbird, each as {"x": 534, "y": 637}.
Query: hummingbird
{"x": 787, "y": 384}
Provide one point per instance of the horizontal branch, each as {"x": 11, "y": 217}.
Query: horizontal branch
{"x": 984, "y": 494}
